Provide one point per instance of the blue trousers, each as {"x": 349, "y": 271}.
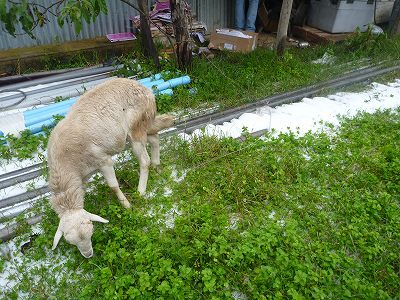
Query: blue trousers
{"x": 246, "y": 20}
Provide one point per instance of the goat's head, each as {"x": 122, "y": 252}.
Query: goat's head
{"x": 77, "y": 228}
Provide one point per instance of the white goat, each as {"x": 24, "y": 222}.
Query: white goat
{"x": 97, "y": 127}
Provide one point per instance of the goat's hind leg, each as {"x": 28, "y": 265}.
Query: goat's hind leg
{"x": 109, "y": 174}
{"x": 139, "y": 149}
{"x": 154, "y": 141}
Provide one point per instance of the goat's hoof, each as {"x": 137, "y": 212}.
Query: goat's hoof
{"x": 142, "y": 193}
{"x": 126, "y": 204}
{"x": 157, "y": 168}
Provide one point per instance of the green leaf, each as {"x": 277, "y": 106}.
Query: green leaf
{"x": 78, "y": 26}
{"x": 60, "y": 21}
{"x": 3, "y": 9}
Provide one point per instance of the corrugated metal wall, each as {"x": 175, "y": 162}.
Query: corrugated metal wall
{"x": 214, "y": 13}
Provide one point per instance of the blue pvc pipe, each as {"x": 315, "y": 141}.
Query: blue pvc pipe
{"x": 35, "y": 128}
{"x": 165, "y": 92}
{"x": 35, "y": 111}
{"x": 39, "y": 133}
{"x": 173, "y": 83}
{"x": 49, "y": 121}
{"x": 46, "y": 115}
{"x": 40, "y": 116}
{"x": 151, "y": 78}
{"x": 35, "y": 119}
{"x": 2, "y": 138}
{"x": 51, "y": 107}
{"x": 150, "y": 84}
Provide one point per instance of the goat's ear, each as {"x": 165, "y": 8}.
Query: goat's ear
{"x": 57, "y": 238}
{"x": 96, "y": 218}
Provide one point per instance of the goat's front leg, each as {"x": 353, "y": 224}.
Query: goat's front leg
{"x": 109, "y": 174}
{"x": 154, "y": 141}
{"x": 139, "y": 149}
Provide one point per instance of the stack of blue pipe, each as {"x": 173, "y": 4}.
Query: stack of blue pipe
{"x": 36, "y": 119}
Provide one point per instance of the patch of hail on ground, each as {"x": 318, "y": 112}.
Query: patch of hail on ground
{"x": 176, "y": 176}
{"x": 166, "y": 218}
{"x": 234, "y": 220}
{"x": 167, "y": 192}
{"x": 309, "y": 115}
{"x": 272, "y": 215}
{"x": 19, "y": 266}
{"x": 239, "y": 295}
{"x": 170, "y": 216}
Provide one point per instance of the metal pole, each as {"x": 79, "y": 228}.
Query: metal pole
{"x": 61, "y": 77}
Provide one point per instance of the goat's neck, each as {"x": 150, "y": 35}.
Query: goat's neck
{"x": 67, "y": 188}
{"x": 70, "y": 199}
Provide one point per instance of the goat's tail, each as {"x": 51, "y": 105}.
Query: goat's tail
{"x": 160, "y": 122}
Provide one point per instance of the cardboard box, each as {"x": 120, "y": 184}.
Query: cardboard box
{"x": 233, "y": 40}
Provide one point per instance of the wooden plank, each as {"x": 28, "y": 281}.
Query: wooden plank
{"x": 14, "y": 61}
{"x": 394, "y": 23}
{"x": 314, "y": 35}
{"x": 283, "y": 26}
{"x": 267, "y": 24}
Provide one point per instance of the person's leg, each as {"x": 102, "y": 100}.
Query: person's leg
{"x": 239, "y": 14}
{"x": 251, "y": 15}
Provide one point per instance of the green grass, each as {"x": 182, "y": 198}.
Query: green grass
{"x": 233, "y": 79}
{"x": 312, "y": 217}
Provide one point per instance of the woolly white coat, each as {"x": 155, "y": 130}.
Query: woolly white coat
{"x": 97, "y": 127}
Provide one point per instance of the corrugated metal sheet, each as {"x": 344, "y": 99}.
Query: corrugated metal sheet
{"x": 383, "y": 11}
{"x": 214, "y": 13}
{"x": 117, "y": 20}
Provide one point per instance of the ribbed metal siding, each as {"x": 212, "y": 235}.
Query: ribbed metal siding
{"x": 117, "y": 20}
{"x": 214, "y": 13}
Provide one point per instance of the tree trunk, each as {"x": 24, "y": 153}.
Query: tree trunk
{"x": 283, "y": 26}
{"x": 394, "y": 23}
{"x": 149, "y": 49}
{"x": 180, "y": 23}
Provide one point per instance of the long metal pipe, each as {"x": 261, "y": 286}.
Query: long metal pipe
{"x": 64, "y": 76}
{"x": 9, "y": 232}
{"x": 65, "y": 92}
{"x": 24, "y": 196}
{"x": 14, "y": 79}
{"x": 53, "y": 87}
